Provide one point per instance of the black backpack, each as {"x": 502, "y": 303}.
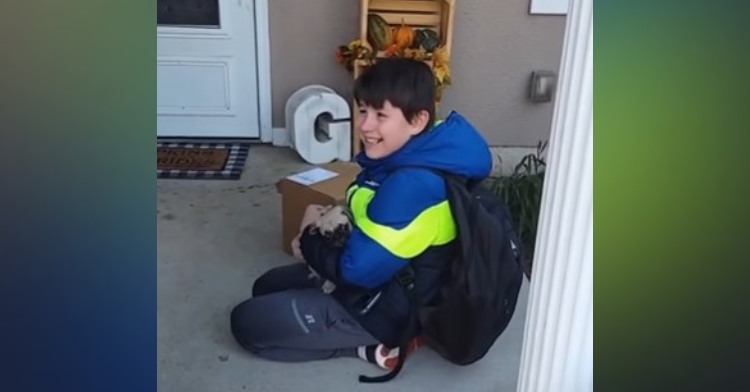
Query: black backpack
{"x": 480, "y": 298}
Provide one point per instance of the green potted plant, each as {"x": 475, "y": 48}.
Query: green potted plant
{"x": 522, "y": 192}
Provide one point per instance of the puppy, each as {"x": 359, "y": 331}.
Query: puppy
{"x": 334, "y": 225}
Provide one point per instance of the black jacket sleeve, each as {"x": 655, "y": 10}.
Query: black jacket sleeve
{"x": 321, "y": 256}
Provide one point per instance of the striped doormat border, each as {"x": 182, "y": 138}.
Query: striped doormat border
{"x": 198, "y": 160}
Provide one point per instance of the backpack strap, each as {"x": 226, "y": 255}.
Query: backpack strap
{"x": 405, "y": 279}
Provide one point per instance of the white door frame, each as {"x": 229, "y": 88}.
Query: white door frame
{"x": 558, "y": 342}
{"x": 263, "y": 56}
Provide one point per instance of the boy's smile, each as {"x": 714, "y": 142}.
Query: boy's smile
{"x": 371, "y": 140}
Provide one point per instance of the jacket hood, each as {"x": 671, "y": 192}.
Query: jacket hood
{"x": 453, "y": 146}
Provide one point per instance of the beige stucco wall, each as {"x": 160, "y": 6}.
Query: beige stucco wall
{"x": 496, "y": 46}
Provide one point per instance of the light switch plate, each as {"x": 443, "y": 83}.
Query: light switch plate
{"x": 542, "y": 87}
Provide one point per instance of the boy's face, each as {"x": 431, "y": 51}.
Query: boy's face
{"x": 386, "y": 130}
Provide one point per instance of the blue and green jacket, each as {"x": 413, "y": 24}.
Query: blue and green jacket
{"x": 401, "y": 217}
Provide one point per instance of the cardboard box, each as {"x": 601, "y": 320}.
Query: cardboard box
{"x": 325, "y": 185}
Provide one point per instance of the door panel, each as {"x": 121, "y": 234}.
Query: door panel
{"x": 177, "y": 81}
{"x": 206, "y": 69}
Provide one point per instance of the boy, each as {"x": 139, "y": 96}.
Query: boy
{"x": 401, "y": 218}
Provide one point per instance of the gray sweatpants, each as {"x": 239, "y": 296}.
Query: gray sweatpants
{"x": 290, "y": 319}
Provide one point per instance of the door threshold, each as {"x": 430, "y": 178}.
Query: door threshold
{"x": 187, "y": 139}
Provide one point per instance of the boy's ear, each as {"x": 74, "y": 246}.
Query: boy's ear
{"x": 419, "y": 122}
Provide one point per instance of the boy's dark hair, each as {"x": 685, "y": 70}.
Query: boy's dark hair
{"x": 407, "y": 84}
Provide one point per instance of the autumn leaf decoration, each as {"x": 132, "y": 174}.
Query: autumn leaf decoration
{"x": 346, "y": 55}
{"x": 355, "y": 50}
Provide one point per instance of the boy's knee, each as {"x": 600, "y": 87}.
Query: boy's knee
{"x": 241, "y": 324}
{"x": 263, "y": 285}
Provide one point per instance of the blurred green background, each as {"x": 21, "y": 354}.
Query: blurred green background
{"x": 671, "y": 188}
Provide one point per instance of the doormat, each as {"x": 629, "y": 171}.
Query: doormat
{"x": 190, "y": 160}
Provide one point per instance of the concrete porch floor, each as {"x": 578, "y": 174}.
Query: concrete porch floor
{"x": 214, "y": 238}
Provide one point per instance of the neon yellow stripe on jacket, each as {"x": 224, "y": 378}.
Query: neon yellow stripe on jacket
{"x": 350, "y": 192}
{"x": 433, "y": 226}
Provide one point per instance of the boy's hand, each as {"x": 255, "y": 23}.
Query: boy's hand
{"x": 312, "y": 214}
{"x": 296, "y": 252}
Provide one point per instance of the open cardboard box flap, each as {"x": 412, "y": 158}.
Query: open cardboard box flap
{"x": 325, "y": 185}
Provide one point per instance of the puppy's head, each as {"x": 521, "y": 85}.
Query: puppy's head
{"x": 335, "y": 225}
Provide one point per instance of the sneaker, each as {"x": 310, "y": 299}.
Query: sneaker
{"x": 384, "y": 357}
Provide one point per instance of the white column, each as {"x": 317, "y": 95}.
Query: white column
{"x": 558, "y": 347}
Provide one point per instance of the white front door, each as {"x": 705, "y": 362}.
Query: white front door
{"x": 206, "y": 69}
